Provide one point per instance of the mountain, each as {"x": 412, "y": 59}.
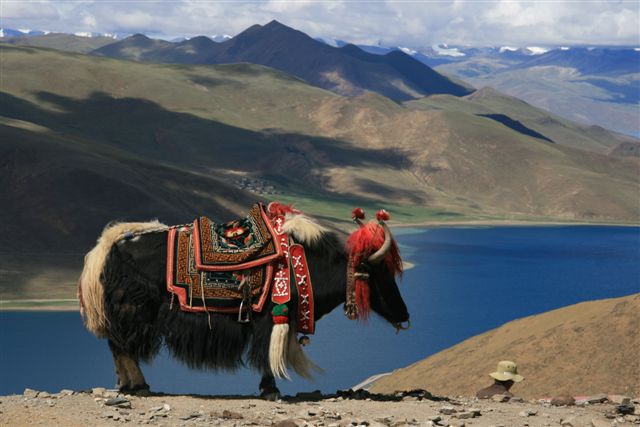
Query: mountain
{"x": 589, "y": 61}
{"x": 511, "y": 111}
{"x": 347, "y": 70}
{"x": 595, "y": 86}
{"x": 87, "y": 139}
{"x": 590, "y": 343}
{"x": 60, "y": 41}
{"x": 8, "y": 32}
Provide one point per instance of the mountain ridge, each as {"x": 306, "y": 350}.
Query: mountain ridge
{"x": 348, "y": 71}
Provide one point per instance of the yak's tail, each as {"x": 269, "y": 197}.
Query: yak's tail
{"x": 90, "y": 286}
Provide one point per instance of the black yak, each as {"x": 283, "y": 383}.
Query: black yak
{"x": 124, "y": 298}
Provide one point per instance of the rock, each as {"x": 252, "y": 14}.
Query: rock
{"x": 596, "y": 398}
{"x": 627, "y": 409}
{"x": 230, "y": 415}
{"x": 30, "y": 393}
{"x": 109, "y": 414}
{"x": 476, "y": 412}
{"x": 528, "y": 413}
{"x": 599, "y": 422}
{"x": 333, "y": 416}
{"x": 563, "y": 401}
{"x": 66, "y": 392}
{"x": 44, "y": 394}
{"x": 447, "y": 410}
{"x": 500, "y": 398}
{"x": 619, "y": 399}
{"x": 166, "y": 407}
{"x": 110, "y": 393}
{"x": 290, "y": 423}
{"x": 465, "y": 415}
{"x": 435, "y": 418}
{"x": 569, "y": 422}
{"x": 98, "y": 391}
{"x": 190, "y": 416}
{"x": 119, "y": 402}
{"x": 155, "y": 409}
{"x": 516, "y": 399}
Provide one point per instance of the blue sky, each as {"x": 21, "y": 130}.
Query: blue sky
{"x": 413, "y": 23}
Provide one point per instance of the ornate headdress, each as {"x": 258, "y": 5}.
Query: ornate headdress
{"x": 369, "y": 245}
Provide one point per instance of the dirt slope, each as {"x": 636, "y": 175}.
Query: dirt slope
{"x": 582, "y": 349}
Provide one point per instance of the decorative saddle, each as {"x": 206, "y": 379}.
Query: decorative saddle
{"x": 218, "y": 267}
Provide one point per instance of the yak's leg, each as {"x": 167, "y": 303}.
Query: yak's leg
{"x": 137, "y": 383}
{"x": 268, "y": 389}
{"x": 121, "y": 372}
{"x": 130, "y": 378}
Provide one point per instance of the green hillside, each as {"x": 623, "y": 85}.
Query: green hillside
{"x": 63, "y": 42}
{"x": 562, "y": 131}
{"x": 87, "y": 140}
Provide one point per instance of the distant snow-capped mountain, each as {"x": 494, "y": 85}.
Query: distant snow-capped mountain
{"x": 9, "y": 32}
{"x": 220, "y": 37}
{"x": 25, "y": 32}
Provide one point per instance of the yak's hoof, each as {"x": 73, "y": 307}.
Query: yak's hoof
{"x": 271, "y": 395}
{"x": 138, "y": 390}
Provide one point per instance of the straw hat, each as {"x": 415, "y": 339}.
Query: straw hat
{"x": 506, "y": 371}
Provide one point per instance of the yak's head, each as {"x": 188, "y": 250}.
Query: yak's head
{"x": 374, "y": 263}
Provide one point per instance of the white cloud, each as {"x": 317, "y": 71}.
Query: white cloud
{"x": 406, "y": 23}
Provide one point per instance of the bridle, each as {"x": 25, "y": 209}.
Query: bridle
{"x": 359, "y": 271}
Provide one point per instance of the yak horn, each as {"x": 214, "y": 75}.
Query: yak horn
{"x": 378, "y": 256}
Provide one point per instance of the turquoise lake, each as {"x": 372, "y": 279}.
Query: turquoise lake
{"x": 465, "y": 281}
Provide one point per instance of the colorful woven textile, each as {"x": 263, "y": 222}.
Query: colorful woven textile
{"x": 207, "y": 262}
{"x": 239, "y": 244}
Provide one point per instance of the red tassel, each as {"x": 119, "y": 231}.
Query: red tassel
{"x": 357, "y": 213}
{"x": 362, "y": 299}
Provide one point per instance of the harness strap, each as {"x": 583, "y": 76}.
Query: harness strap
{"x": 306, "y": 321}
{"x": 350, "y": 306}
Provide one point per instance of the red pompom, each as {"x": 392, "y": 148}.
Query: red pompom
{"x": 383, "y": 215}
{"x": 357, "y": 213}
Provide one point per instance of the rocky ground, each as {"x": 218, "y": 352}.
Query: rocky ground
{"x": 100, "y": 407}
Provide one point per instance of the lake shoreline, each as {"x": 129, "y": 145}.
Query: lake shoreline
{"x": 506, "y": 223}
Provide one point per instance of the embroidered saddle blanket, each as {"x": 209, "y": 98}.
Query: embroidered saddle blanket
{"x": 213, "y": 267}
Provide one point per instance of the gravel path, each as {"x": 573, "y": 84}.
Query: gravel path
{"x": 101, "y": 407}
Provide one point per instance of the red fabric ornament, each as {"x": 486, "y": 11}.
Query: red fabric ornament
{"x": 357, "y": 213}
{"x": 362, "y": 298}
{"x": 368, "y": 239}
{"x": 360, "y": 245}
{"x": 277, "y": 208}
{"x": 382, "y": 215}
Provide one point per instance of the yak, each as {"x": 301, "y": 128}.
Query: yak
{"x": 124, "y": 298}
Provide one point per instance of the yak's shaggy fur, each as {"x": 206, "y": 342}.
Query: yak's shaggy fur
{"x": 90, "y": 287}
{"x": 123, "y": 289}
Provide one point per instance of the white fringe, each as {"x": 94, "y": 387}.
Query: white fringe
{"x": 90, "y": 287}
{"x": 278, "y": 350}
{"x": 303, "y": 228}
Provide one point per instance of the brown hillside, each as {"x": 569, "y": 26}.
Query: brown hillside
{"x": 582, "y": 349}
